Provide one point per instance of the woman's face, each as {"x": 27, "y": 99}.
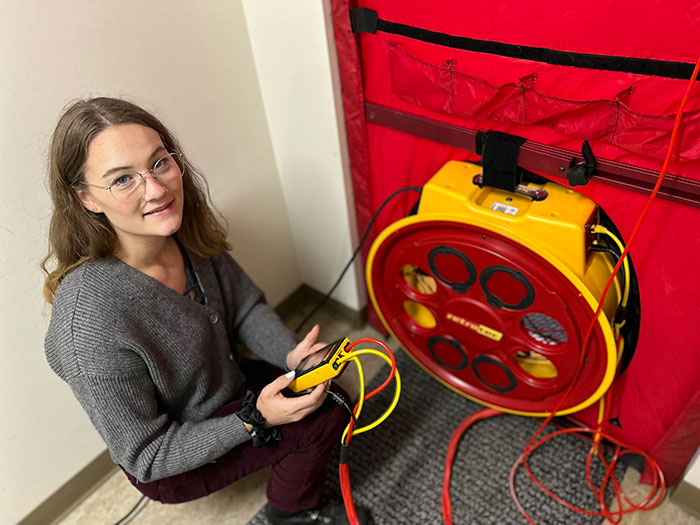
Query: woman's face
{"x": 154, "y": 210}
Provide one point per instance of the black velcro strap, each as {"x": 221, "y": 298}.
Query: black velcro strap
{"x": 499, "y": 157}
{"x": 363, "y": 20}
{"x": 369, "y": 22}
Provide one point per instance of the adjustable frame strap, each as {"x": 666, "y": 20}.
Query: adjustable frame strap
{"x": 363, "y": 20}
{"x": 499, "y": 157}
{"x": 366, "y": 20}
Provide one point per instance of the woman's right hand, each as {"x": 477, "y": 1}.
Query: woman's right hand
{"x": 278, "y": 409}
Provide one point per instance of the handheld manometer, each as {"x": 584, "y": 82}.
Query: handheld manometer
{"x": 320, "y": 366}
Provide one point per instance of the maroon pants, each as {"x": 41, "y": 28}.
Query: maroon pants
{"x": 298, "y": 461}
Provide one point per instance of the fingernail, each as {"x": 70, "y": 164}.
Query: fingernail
{"x": 289, "y": 374}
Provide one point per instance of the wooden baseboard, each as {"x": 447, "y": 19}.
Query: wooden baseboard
{"x": 72, "y": 492}
{"x": 687, "y": 496}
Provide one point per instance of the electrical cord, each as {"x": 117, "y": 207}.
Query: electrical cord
{"x": 607, "y": 249}
{"x": 357, "y": 250}
{"x": 627, "y": 316}
{"x": 659, "y": 485}
{"x": 133, "y": 509}
{"x": 625, "y": 261}
{"x": 603, "y": 413}
{"x": 339, "y": 399}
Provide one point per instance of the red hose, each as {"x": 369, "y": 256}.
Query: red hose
{"x": 452, "y": 450}
{"x": 346, "y": 490}
{"x": 343, "y": 468}
{"x": 659, "y": 485}
{"x": 658, "y": 488}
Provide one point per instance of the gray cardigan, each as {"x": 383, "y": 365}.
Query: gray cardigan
{"x": 151, "y": 366}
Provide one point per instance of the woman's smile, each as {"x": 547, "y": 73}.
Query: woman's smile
{"x": 161, "y": 210}
{"x": 154, "y": 208}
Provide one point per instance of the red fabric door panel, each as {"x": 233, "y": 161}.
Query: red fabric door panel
{"x": 625, "y": 117}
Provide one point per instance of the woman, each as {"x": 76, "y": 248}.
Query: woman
{"x": 148, "y": 307}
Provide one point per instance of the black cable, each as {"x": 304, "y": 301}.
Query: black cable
{"x": 133, "y": 509}
{"x": 357, "y": 250}
{"x": 339, "y": 399}
{"x": 601, "y": 248}
{"x": 609, "y": 249}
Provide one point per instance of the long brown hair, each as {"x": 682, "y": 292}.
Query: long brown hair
{"x": 77, "y": 235}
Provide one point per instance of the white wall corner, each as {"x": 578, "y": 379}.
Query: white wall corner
{"x": 291, "y": 44}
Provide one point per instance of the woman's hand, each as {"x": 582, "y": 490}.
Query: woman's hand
{"x": 279, "y": 410}
{"x": 307, "y": 347}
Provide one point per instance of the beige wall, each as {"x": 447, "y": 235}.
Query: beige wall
{"x": 192, "y": 66}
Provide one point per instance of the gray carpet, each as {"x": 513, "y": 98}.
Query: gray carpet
{"x": 397, "y": 468}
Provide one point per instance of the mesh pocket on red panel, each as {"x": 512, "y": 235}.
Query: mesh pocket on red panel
{"x": 445, "y": 89}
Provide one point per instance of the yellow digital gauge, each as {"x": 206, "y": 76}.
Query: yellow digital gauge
{"x": 319, "y": 367}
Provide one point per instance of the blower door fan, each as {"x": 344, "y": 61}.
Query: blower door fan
{"x": 491, "y": 293}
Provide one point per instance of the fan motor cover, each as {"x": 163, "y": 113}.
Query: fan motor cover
{"x": 491, "y": 293}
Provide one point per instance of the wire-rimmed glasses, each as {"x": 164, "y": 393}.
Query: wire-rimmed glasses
{"x": 127, "y": 185}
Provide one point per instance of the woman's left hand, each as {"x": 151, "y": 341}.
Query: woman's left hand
{"x": 306, "y": 347}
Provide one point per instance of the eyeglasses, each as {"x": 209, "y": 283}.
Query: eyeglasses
{"x": 128, "y": 185}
